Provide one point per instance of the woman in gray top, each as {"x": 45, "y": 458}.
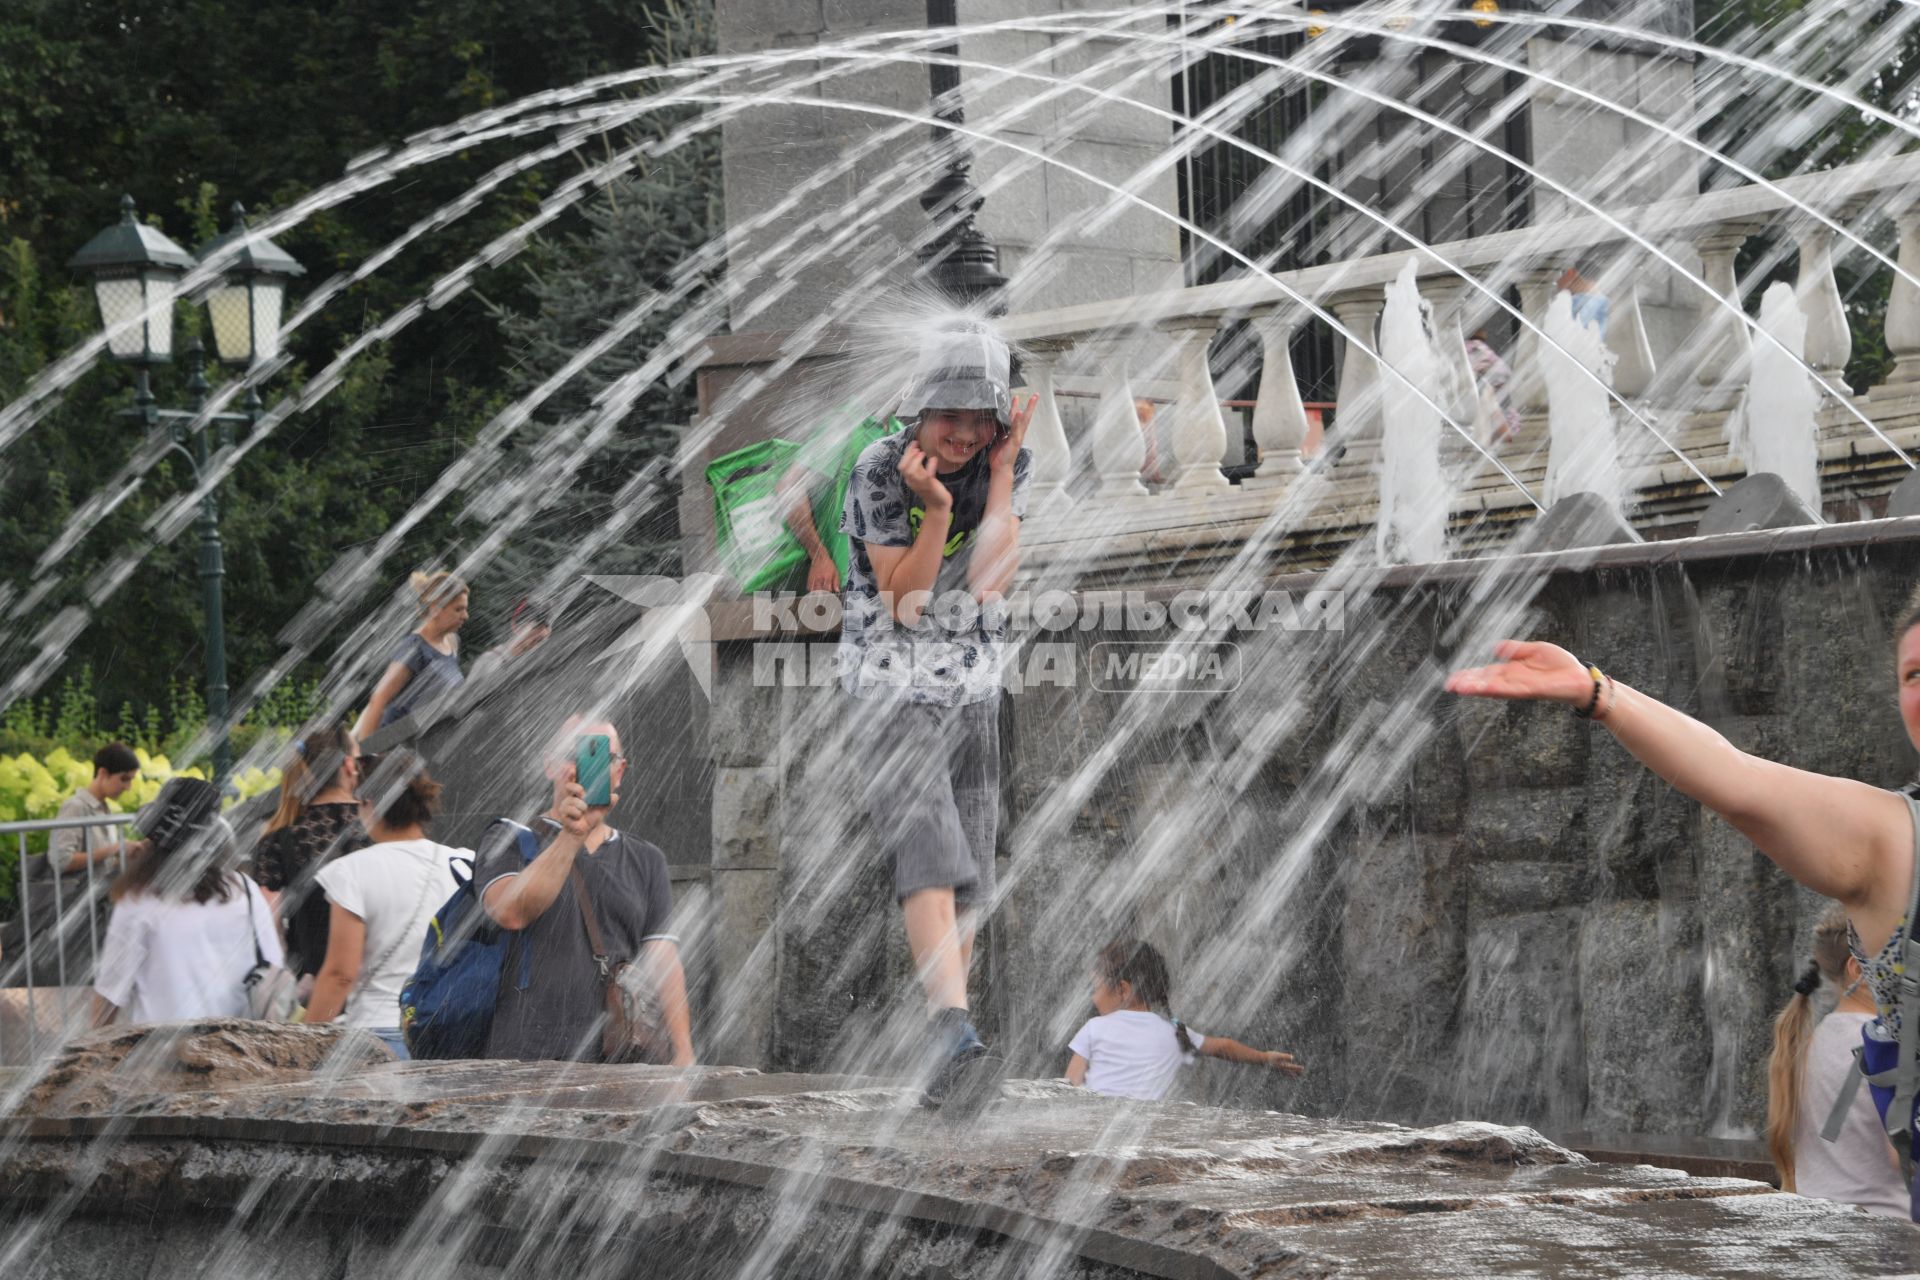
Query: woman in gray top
{"x": 427, "y": 663}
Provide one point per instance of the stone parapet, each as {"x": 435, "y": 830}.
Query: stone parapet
{"x": 722, "y": 1172}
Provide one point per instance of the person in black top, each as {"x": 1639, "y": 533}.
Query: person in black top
{"x": 552, "y": 1003}
{"x": 317, "y": 821}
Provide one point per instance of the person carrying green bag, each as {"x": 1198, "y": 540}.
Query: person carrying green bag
{"x": 777, "y": 504}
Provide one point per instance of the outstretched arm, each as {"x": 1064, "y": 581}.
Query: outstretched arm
{"x": 1838, "y": 837}
{"x": 1234, "y": 1051}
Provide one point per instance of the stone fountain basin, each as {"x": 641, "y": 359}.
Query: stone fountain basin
{"x": 319, "y": 1163}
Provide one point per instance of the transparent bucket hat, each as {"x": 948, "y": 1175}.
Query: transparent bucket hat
{"x": 962, "y": 365}
{"x": 185, "y": 827}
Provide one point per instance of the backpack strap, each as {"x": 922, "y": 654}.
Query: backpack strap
{"x": 524, "y": 837}
{"x": 1843, "y": 1101}
{"x": 1850, "y": 1089}
{"x": 1906, "y": 1071}
{"x": 1904, "y": 1075}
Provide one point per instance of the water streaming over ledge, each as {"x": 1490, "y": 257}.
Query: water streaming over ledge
{"x": 1441, "y": 905}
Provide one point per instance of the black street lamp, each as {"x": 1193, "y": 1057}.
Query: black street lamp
{"x": 135, "y": 269}
{"x": 247, "y": 304}
{"x": 959, "y": 258}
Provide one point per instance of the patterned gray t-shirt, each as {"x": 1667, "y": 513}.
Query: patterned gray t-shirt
{"x": 953, "y": 655}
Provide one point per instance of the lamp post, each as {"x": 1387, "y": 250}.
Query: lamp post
{"x": 959, "y": 258}
{"x": 135, "y": 270}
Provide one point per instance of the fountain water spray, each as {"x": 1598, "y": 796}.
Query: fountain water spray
{"x": 1775, "y": 431}
{"x": 1584, "y": 455}
{"x": 1412, "y": 525}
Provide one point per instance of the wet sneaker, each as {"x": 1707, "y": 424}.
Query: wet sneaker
{"x": 970, "y": 1075}
{"x": 968, "y": 1082}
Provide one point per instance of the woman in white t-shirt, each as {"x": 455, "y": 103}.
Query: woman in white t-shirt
{"x": 1810, "y": 1064}
{"x": 1134, "y": 1049}
{"x": 382, "y": 901}
{"x": 186, "y": 928}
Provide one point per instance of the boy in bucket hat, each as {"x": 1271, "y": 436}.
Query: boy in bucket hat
{"x": 933, "y": 520}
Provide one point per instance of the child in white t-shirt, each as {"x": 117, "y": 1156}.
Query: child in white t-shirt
{"x": 1134, "y": 1049}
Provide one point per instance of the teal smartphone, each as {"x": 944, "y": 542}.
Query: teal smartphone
{"x": 593, "y": 767}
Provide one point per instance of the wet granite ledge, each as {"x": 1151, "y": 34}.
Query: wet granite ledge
{"x": 478, "y": 1169}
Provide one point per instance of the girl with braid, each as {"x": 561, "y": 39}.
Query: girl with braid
{"x": 1812, "y": 1058}
{"x": 1136, "y": 1047}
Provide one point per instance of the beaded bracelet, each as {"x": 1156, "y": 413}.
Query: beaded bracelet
{"x": 1600, "y": 679}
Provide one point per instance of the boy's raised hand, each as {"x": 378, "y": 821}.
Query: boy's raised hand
{"x": 1274, "y": 1060}
{"x": 916, "y": 468}
{"x": 1007, "y": 449}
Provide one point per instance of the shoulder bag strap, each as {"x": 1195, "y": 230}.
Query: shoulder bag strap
{"x": 253, "y": 930}
{"x": 1900, "y": 1110}
{"x": 400, "y": 939}
{"x": 601, "y": 960}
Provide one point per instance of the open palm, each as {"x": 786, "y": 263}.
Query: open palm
{"x": 1528, "y": 669}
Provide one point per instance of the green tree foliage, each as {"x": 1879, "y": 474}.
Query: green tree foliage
{"x": 1870, "y": 49}
{"x": 642, "y": 239}
{"x": 189, "y": 105}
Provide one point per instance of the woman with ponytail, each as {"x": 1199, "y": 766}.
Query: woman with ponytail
{"x": 382, "y": 900}
{"x": 427, "y": 663}
{"x": 1811, "y": 1061}
{"x": 317, "y": 821}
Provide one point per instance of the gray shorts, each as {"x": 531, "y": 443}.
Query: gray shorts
{"x": 932, "y": 791}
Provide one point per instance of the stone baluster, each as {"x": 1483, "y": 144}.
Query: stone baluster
{"x": 1199, "y": 430}
{"x": 1046, "y": 434}
{"x": 1119, "y": 441}
{"x": 1529, "y": 386}
{"x": 1357, "y": 411}
{"x": 1903, "y": 315}
{"x": 1279, "y": 415}
{"x": 1724, "y": 347}
{"x": 1634, "y": 365}
{"x": 1829, "y": 338}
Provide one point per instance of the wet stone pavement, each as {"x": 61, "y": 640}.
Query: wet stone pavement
{"x": 244, "y": 1149}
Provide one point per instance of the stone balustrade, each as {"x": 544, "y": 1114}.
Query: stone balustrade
{"x": 1679, "y": 367}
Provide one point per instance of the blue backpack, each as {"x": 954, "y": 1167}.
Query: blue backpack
{"x": 446, "y": 1008}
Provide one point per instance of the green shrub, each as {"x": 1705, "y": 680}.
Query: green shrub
{"x": 35, "y": 786}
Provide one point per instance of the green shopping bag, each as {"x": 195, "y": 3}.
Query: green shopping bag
{"x": 749, "y": 514}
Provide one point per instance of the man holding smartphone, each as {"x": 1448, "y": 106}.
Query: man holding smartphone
{"x": 933, "y": 517}
{"x": 552, "y": 1003}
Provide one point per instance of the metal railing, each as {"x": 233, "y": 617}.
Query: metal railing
{"x": 54, "y": 932}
